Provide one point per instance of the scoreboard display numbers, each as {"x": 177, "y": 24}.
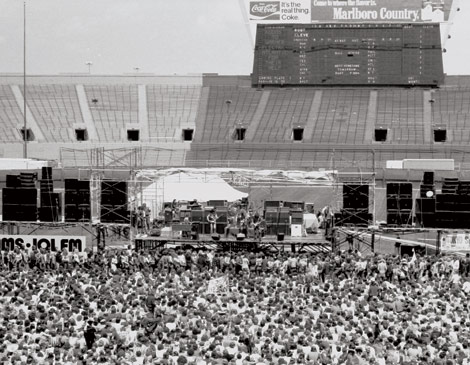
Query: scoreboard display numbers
{"x": 348, "y": 54}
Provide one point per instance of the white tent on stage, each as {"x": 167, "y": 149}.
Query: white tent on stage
{"x": 188, "y": 186}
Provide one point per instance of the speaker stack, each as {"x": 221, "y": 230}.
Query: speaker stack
{"x": 20, "y": 198}
{"x": 77, "y": 200}
{"x": 453, "y": 204}
{"x": 399, "y": 203}
{"x": 425, "y": 207}
{"x": 222, "y": 220}
{"x": 114, "y": 202}
{"x": 355, "y": 204}
{"x": 50, "y": 202}
{"x": 197, "y": 218}
{"x": 216, "y": 203}
{"x": 277, "y": 220}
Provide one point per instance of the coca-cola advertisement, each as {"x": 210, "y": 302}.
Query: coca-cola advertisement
{"x": 283, "y": 11}
{"x": 265, "y": 10}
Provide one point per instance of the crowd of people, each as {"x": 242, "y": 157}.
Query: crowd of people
{"x": 128, "y": 307}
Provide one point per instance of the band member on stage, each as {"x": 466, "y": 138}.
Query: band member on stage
{"x": 231, "y": 223}
{"x": 212, "y": 219}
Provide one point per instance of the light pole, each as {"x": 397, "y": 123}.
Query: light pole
{"x": 25, "y": 133}
{"x": 89, "y": 64}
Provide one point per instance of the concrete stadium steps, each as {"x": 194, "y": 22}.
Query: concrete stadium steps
{"x": 401, "y": 111}
{"x": 451, "y": 110}
{"x": 11, "y": 117}
{"x": 171, "y": 108}
{"x": 342, "y": 156}
{"x": 341, "y": 117}
{"x": 285, "y": 109}
{"x": 228, "y": 107}
{"x": 116, "y": 106}
{"x": 55, "y": 109}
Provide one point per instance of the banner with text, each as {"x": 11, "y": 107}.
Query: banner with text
{"x": 346, "y": 11}
{"x": 52, "y": 243}
{"x": 376, "y": 11}
{"x": 279, "y": 11}
{"x": 455, "y": 242}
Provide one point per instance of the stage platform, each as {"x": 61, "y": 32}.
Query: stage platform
{"x": 312, "y": 243}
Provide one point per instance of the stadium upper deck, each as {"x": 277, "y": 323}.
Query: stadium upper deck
{"x": 193, "y": 119}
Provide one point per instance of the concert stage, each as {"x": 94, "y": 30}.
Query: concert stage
{"x": 312, "y": 243}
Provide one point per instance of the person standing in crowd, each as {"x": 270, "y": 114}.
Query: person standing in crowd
{"x": 90, "y": 335}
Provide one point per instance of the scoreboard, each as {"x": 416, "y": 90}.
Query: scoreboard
{"x": 348, "y": 54}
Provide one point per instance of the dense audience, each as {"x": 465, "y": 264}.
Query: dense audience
{"x": 126, "y": 307}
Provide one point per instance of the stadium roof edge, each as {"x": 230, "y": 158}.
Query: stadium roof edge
{"x": 86, "y": 79}
{"x": 198, "y": 80}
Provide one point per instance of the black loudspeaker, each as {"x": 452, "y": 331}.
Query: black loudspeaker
{"x": 297, "y": 217}
{"x": 399, "y": 188}
{"x": 217, "y": 203}
{"x": 20, "y": 196}
{"x": 463, "y": 204}
{"x": 355, "y": 216}
{"x": 399, "y": 218}
{"x": 280, "y": 236}
{"x": 84, "y": 213}
{"x": 272, "y": 216}
{"x": 20, "y": 212}
{"x": 428, "y": 178}
{"x": 425, "y": 205}
{"x": 446, "y": 202}
{"x": 355, "y": 196}
{"x": 398, "y": 203}
{"x": 216, "y": 237}
{"x": 197, "y": 216}
{"x": 46, "y": 173}
{"x": 71, "y": 212}
{"x": 272, "y": 204}
{"x": 27, "y": 179}
{"x": 220, "y": 228}
{"x": 49, "y": 214}
{"x": 77, "y": 200}
{"x": 114, "y": 193}
{"x": 71, "y": 184}
{"x": 426, "y": 220}
{"x": 464, "y": 188}
{"x": 50, "y": 200}
{"x": 284, "y": 216}
{"x": 46, "y": 185}
{"x": 110, "y": 214}
{"x": 168, "y": 215}
{"x": 222, "y": 214}
{"x": 114, "y": 202}
{"x": 13, "y": 181}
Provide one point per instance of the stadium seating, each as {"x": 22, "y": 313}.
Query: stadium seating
{"x": 171, "y": 108}
{"x": 401, "y": 112}
{"x": 10, "y": 116}
{"x": 228, "y": 107}
{"x": 338, "y": 122}
{"x": 341, "y": 117}
{"x": 114, "y": 107}
{"x": 55, "y": 108}
{"x": 285, "y": 110}
{"x": 451, "y": 109}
